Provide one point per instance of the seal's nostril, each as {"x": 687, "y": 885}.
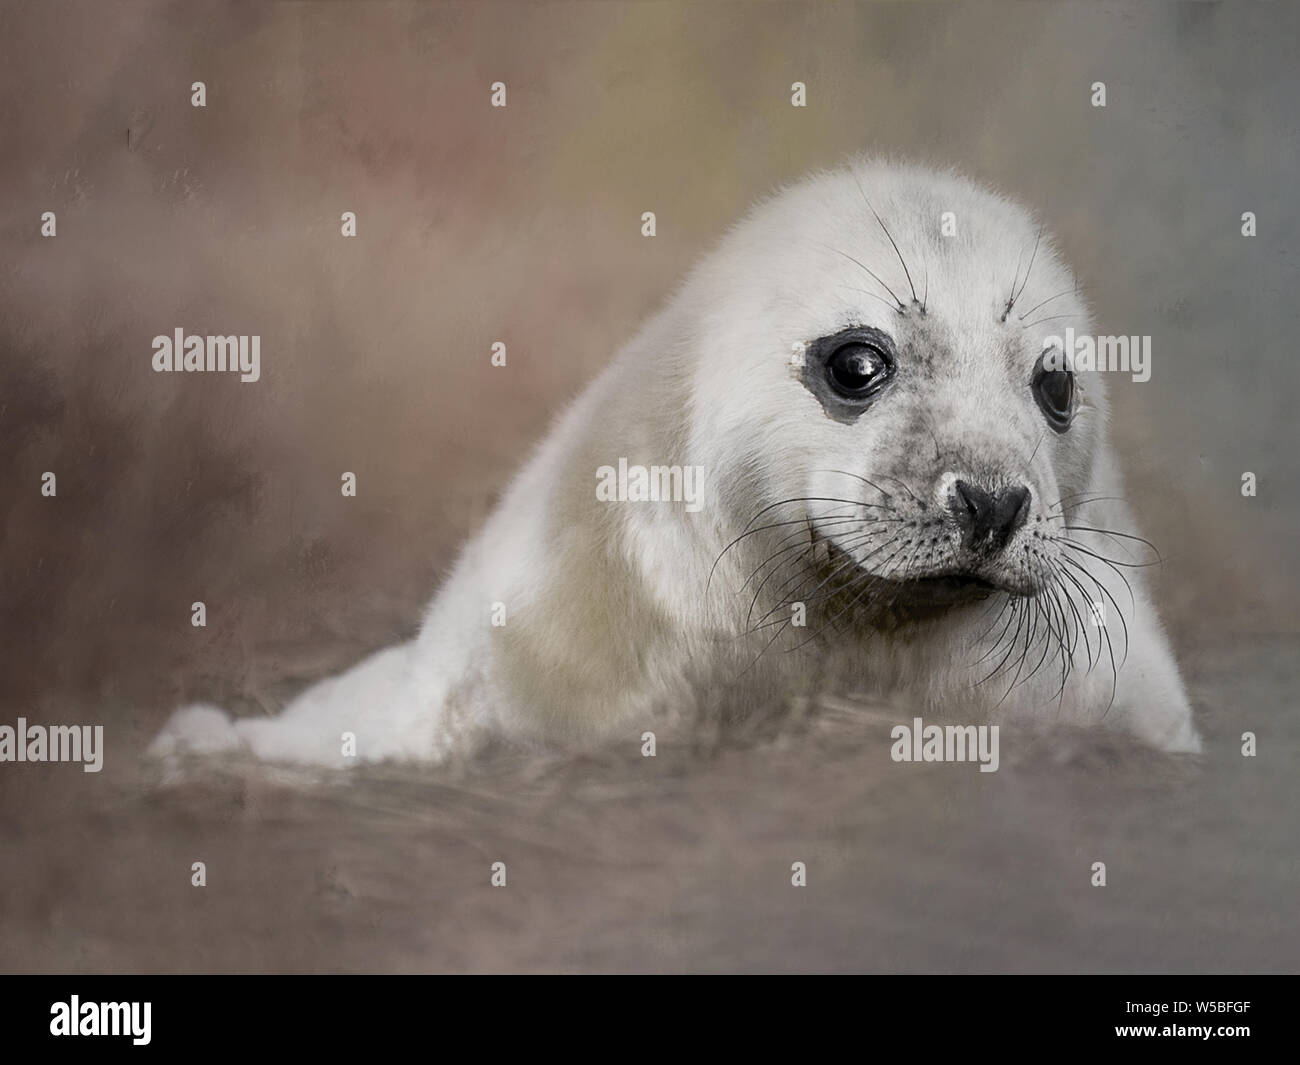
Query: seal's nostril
{"x": 1013, "y": 507}
{"x": 975, "y": 500}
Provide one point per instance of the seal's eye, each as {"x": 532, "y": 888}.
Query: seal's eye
{"x": 847, "y": 370}
{"x": 1054, "y": 390}
{"x": 856, "y": 370}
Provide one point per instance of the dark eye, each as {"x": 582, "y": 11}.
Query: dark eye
{"x": 856, "y": 370}
{"x": 1054, "y": 391}
{"x": 847, "y": 370}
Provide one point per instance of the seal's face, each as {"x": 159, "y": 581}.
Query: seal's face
{"x": 897, "y": 371}
{"x": 936, "y": 469}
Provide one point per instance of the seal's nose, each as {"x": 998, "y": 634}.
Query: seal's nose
{"x": 987, "y": 519}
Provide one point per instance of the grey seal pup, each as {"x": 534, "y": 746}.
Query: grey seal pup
{"x": 842, "y": 456}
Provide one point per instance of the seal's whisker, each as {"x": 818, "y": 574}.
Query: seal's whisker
{"x": 786, "y": 622}
{"x": 1062, "y": 591}
{"x": 844, "y": 610}
{"x": 814, "y": 499}
{"x": 1050, "y": 634}
{"x": 1006, "y": 602}
{"x": 755, "y": 532}
{"x": 1043, "y": 303}
{"x": 781, "y": 600}
{"x": 1015, "y": 280}
{"x": 1018, "y": 614}
{"x": 1041, "y": 438}
{"x": 859, "y": 477}
{"x": 868, "y": 581}
{"x": 1046, "y": 607}
{"x": 1067, "y": 637}
{"x": 1106, "y": 592}
{"x": 1016, "y": 292}
{"x": 1113, "y": 566}
{"x": 848, "y": 564}
{"x": 747, "y": 531}
{"x": 911, "y": 494}
{"x": 911, "y": 559}
{"x": 873, "y": 295}
{"x": 1030, "y": 268}
{"x": 1114, "y": 670}
{"x": 1033, "y": 610}
{"x": 1076, "y": 495}
{"x": 901, "y": 308}
{"x": 1054, "y": 318}
{"x": 1067, "y": 576}
{"x": 938, "y": 454}
{"x": 1116, "y": 535}
{"x": 776, "y": 636}
{"x": 1063, "y": 644}
{"x": 796, "y": 541}
{"x": 906, "y": 271}
{"x": 1079, "y": 503}
{"x": 871, "y": 582}
{"x": 1008, "y": 634}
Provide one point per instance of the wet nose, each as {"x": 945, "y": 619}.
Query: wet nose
{"x": 988, "y": 518}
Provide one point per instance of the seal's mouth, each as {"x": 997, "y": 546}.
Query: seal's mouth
{"x": 961, "y": 585}
{"x": 958, "y": 582}
{"x": 949, "y": 588}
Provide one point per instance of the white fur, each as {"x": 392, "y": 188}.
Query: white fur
{"x": 609, "y": 624}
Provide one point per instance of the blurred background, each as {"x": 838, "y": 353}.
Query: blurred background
{"x": 522, "y": 225}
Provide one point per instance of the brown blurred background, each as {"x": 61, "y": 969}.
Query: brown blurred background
{"x": 522, "y": 225}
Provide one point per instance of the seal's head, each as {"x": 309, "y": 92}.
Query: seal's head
{"x": 875, "y": 369}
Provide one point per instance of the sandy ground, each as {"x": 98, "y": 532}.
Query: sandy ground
{"x": 620, "y": 863}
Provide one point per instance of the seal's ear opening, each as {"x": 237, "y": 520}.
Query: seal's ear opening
{"x": 1053, "y": 387}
